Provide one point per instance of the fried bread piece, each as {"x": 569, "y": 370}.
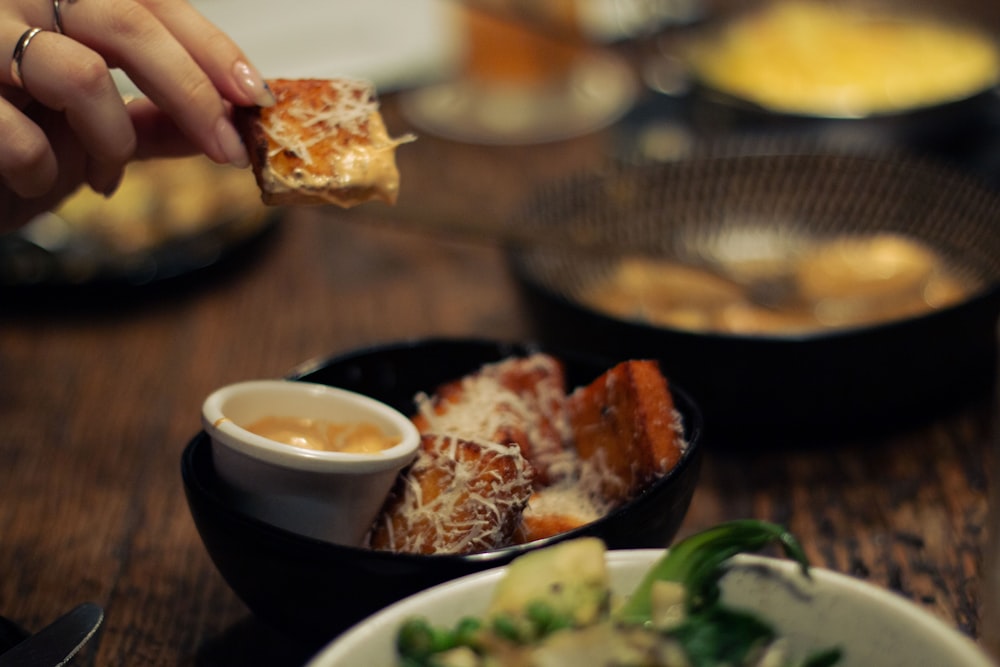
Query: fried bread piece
{"x": 323, "y": 142}
{"x": 459, "y": 496}
{"x": 488, "y": 437}
{"x": 560, "y": 508}
{"x": 518, "y": 400}
{"x": 624, "y": 423}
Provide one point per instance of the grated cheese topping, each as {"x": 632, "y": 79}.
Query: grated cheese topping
{"x": 497, "y": 454}
{"x": 459, "y": 496}
{"x": 344, "y": 104}
{"x": 324, "y": 141}
{"x": 496, "y": 404}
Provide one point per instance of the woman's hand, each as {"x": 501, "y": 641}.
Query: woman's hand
{"x": 62, "y": 118}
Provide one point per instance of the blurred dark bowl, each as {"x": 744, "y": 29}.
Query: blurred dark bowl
{"x": 962, "y": 125}
{"x": 772, "y": 387}
{"x": 313, "y": 590}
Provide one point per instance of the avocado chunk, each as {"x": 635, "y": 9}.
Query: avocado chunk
{"x": 570, "y": 580}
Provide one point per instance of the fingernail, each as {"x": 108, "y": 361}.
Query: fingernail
{"x": 103, "y": 179}
{"x": 252, "y": 84}
{"x": 230, "y": 144}
{"x": 113, "y": 186}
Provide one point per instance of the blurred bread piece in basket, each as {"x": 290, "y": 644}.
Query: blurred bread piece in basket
{"x": 322, "y": 142}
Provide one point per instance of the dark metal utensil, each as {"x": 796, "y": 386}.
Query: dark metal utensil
{"x": 55, "y": 644}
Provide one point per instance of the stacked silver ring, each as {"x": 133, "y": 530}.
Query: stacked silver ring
{"x": 57, "y": 11}
{"x": 19, "y": 49}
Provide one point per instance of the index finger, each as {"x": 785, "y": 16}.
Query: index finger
{"x": 133, "y": 38}
{"x": 218, "y": 55}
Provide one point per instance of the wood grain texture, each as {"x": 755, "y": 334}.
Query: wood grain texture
{"x": 98, "y": 399}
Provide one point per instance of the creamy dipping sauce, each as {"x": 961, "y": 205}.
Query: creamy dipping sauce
{"x": 321, "y": 435}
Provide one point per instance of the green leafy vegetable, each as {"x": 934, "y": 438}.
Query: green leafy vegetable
{"x": 719, "y": 636}
{"x": 697, "y": 561}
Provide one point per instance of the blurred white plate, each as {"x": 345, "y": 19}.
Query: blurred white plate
{"x": 392, "y": 43}
{"x": 874, "y": 626}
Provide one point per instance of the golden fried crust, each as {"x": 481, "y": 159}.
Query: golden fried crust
{"x": 322, "y": 142}
{"x": 535, "y": 526}
{"x": 458, "y": 496}
{"x": 625, "y": 422}
{"x": 489, "y": 437}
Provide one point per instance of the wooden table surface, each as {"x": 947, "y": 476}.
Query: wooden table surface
{"x": 99, "y": 396}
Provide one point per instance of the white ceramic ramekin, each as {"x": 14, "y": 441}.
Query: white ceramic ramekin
{"x": 334, "y": 496}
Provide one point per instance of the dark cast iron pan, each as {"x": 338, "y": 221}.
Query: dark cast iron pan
{"x": 797, "y": 388}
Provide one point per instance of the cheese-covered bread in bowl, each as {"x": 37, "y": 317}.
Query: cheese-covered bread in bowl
{"x": 315, "y": 589}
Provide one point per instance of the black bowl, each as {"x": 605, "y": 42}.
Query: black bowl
{"x": 312, "y": 589}
{"x": 797, "y": 388}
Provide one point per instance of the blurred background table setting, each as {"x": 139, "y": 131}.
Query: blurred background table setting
{"x": 579, "y": 180}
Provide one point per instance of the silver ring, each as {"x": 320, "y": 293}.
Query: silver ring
{"x": 19, "y": 49}
{"x": 57, "y": 12}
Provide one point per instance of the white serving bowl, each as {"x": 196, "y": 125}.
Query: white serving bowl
{"x": 874, "y": 627}
{"x": 329, "y": 495}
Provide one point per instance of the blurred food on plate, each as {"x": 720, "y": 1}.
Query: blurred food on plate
{"x": 548, "y": 604}
{"x": 846, "y": 281}
{"x": 815, "y": 58}
{"x": 816, "y": 227}
{"x": 162, "y": 200}
{"x": 169, "y": 217}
